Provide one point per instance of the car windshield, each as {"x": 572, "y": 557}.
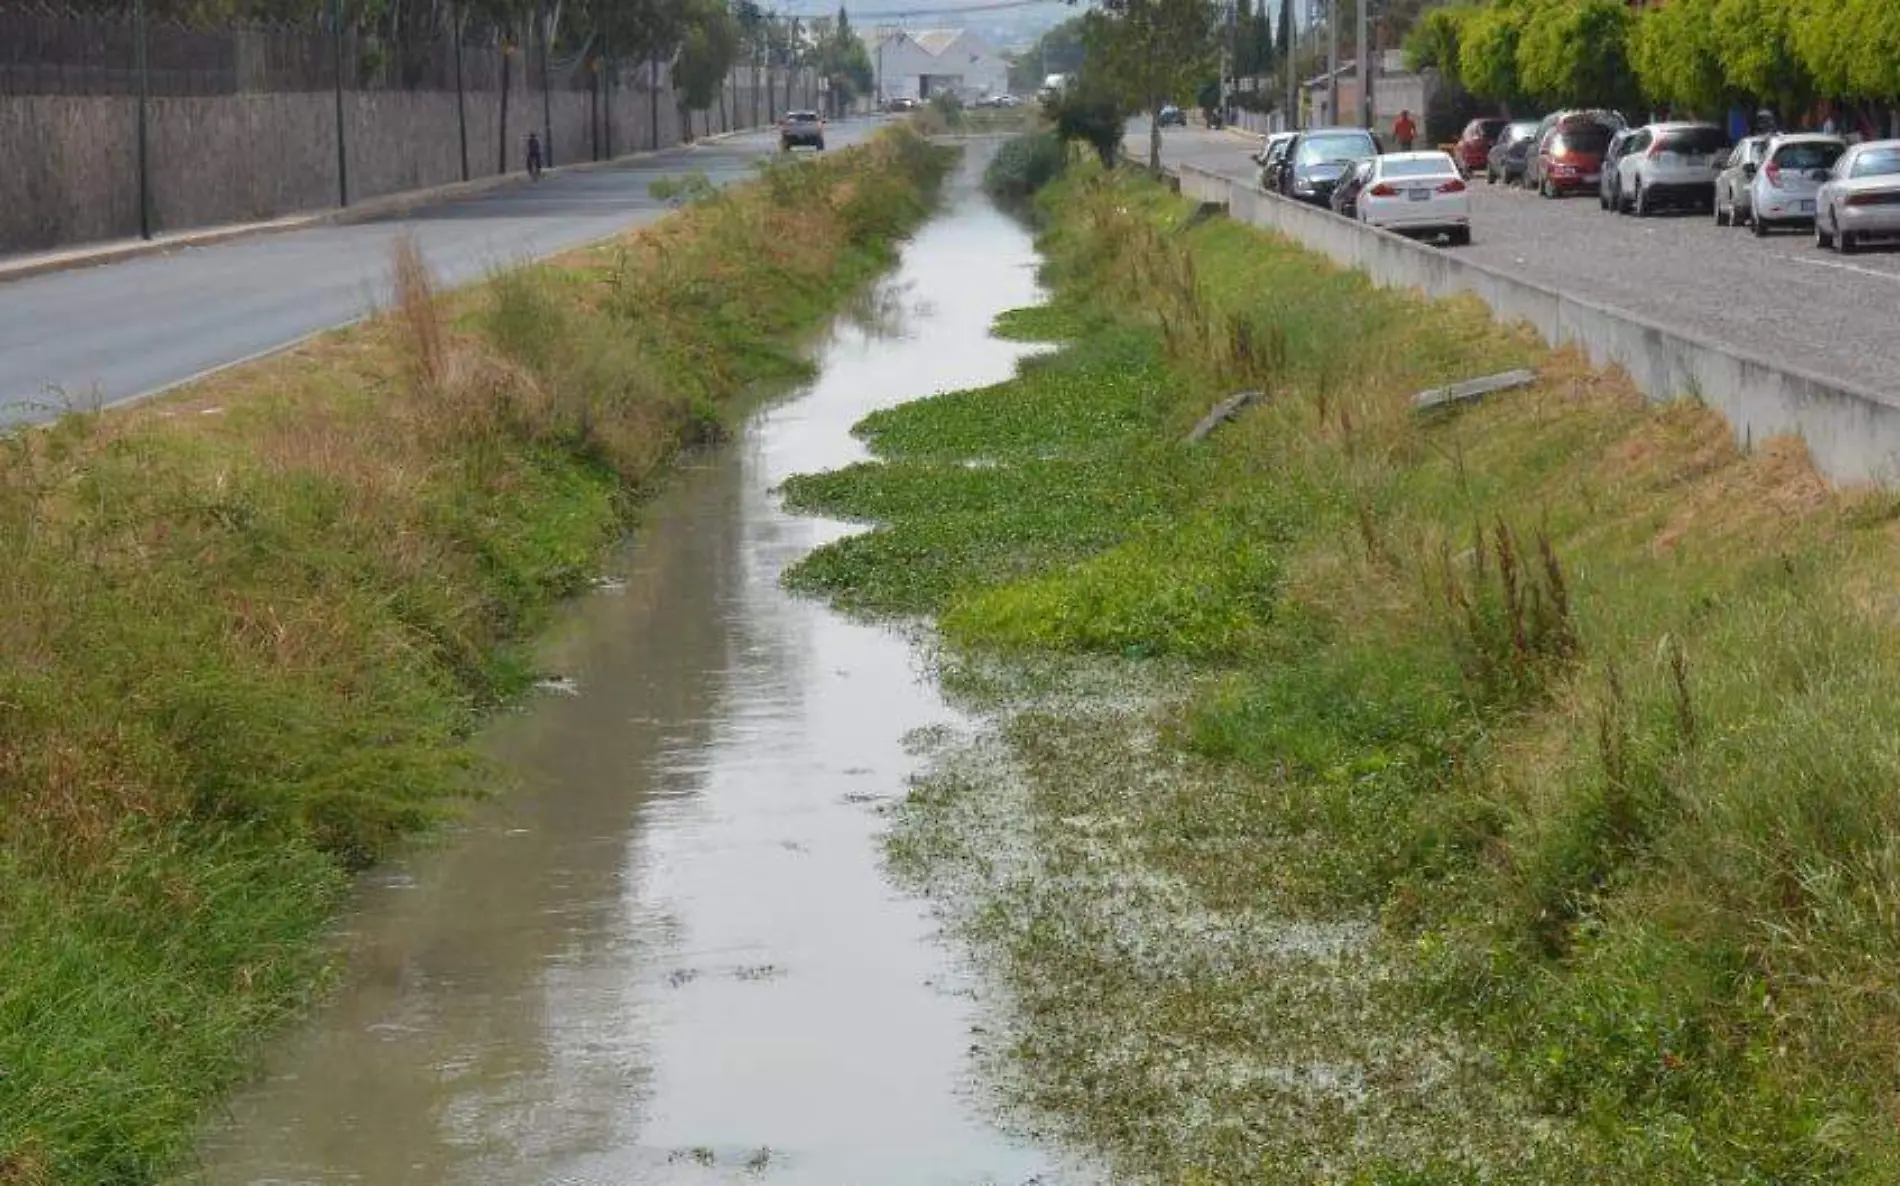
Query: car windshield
{"x": 1322, "y": 149}
{"x": 1490, "y": 128}
{"x": 1581, "y": 138}
{"x": 1813, "y": 155}
{"x": 803, "y": 117}
{"x": 1517, "y": 132}
{"x": 1879, "y": 162}
{"x": 1698, "y": 141}
{"x": 1417, "y": 167}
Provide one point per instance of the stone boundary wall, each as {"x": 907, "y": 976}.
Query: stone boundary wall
{"x": 71, "y": 177}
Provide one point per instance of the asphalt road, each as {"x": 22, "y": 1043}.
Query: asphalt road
{"x": 1780, "y": 299}
{"x": 103, "y": 335}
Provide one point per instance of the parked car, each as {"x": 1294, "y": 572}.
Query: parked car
{"x": 1274, "y": 161}
{"x": 1273, "y": 140}
{"x": 1172, "y": 117}
{"x": 1345, "y": 201}
{"x": 1609, "y": 192}
{"x": 1417, "y": 193}
{"x": 1785, "y": 188}
{"x": 1318, "y": 158}
{"x": 1568, "y": 157}
{"x": 1474, "y": 145}
{"x": 1672, "y": 164}
{"x": 1505, "y": 162}
{"x": 1861, "y": 198}
{"x": 1733, "y": 185}
{"x": 802, "y": 127}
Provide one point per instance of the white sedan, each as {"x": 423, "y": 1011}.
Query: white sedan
{"x": 1861, "y": 198}
{"x": 1417, "y": 192}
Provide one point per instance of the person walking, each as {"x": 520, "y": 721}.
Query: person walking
{"x": 1404, "y": 131}
{"x": 534, "y": 156}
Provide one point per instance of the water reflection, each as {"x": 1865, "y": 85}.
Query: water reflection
{"x": 670, "y": 954}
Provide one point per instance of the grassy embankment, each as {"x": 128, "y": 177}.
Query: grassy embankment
{"x": 1508, "y": 793}
{"x": 249, "y": 626}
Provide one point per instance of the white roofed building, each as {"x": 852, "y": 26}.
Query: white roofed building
{"x": 921, "y": 64}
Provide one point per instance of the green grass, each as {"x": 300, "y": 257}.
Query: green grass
{"x": 1592, "y": 712}
{"x": 252, "y": 625}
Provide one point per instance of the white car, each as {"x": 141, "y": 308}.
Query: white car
{"x": 1861, "y": 199}
{"x": 1673, "y": 164}
{"x": 1417, "y": 193}
{"x": 1782, "y": 189}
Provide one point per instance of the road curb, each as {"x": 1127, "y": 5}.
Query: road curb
{"x": 371, "y": 210}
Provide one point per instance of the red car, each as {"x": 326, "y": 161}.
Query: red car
{"x": 1474, "y": 146}
{"x": 1568, "y": 158}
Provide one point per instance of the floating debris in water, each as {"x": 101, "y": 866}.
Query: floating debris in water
{"x": 559, "y": 684}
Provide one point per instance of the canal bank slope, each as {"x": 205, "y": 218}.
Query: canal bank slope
{"x": 1504, "y": 793}
{"x": 251, "y": 624}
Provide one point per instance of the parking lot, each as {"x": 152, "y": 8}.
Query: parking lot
{"x": 1778, "y": 298}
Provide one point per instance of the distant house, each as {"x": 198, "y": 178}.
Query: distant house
{"x": 923, "y": 64}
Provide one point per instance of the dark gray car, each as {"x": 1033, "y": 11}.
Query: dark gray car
{"x": 1505, "y": 163}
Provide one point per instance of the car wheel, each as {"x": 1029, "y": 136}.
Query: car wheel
{"x": 1547, "y": 189}
{"x": 1822, "y": 239}
{"x": 1461, "y": 236}
{"x": 1850, "y": 242}
{"x": 1641, "y": 202}
{"x": 1760, "y": 227}
{"x": 1722, "y": 217}
{"x": 821, "y": 146}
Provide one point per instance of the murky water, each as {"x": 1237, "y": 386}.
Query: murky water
{"x": 672, "y": 956}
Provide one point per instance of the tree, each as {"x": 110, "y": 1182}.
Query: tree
{"x": 1551, "y": 69}
{"x": 1261, "y": 34}
{"x": 1148, "y": 53}
{"x": 1754, "y": 42}
{"x": 1673, "y": 50}
{"x": 706, "y": 53}
{"x": 842, "y": 60}
{"x": 1285, "y": 38}
{"x": 1434, "y": 41}
{"x": 1487, "y": 52}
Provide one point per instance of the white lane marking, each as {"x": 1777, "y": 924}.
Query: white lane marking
{"x": 1838, "y": 266}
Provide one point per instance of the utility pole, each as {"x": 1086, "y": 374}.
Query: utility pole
{"x": 143, "y": 67}
{"x": 547, "y": 102}
{"x": 1365, "y": 70}
{"x": 1292, "y": 79}
{"x": 342, "y": 149}
{"x": 1332, "y": 61}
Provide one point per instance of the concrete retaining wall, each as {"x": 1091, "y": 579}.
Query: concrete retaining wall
{"x": 71, "y": 173}
{"x": 1852, "y": 433}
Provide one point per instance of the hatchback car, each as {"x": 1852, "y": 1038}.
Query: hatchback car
{"x": 1733, "y": 185}
{"x": 1417, "y": 193}
{"x": 1505, "y": 162}
{"x": 1568, "y": 158}
{"x": 1319, "y": 158}
{"x": 1672, "y": 164}
{"x": 1474, "y": 145}
{"x": 1861, "y": 199}
{"x": 1784, "y": 188}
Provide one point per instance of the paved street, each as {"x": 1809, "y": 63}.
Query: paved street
{"x": 102, "y": 335}
{"x": 1779, "y": 299}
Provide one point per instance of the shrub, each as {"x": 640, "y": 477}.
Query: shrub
{"x": 1024, "y": 165}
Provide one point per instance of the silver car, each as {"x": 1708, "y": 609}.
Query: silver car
{"x": 1782, "y": 188}
{"x": 1861, "y": 198}
{"x": 1733, "y": 184}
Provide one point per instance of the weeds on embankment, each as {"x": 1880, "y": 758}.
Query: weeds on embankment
{"x": 249, "y": 625}
{"x": 1592, "y": 713}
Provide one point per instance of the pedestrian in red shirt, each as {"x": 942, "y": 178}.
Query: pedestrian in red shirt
{"x": 1404, "y": 131}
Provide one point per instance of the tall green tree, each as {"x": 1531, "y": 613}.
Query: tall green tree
{"x": 1434, "y": 42}
{"x": 1243, "y": 38}
{"x": 1487, "y": 52}
{"x": 1150, "y": 53}
{"x": 1674, "y": 53}
{"x": 1261, "y": 52}
{"x": 1553, "y": 71}
{"x": 1285, "y": 37}
{"x": 708, "y": 48}
{"x": 1754, "y": 44}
